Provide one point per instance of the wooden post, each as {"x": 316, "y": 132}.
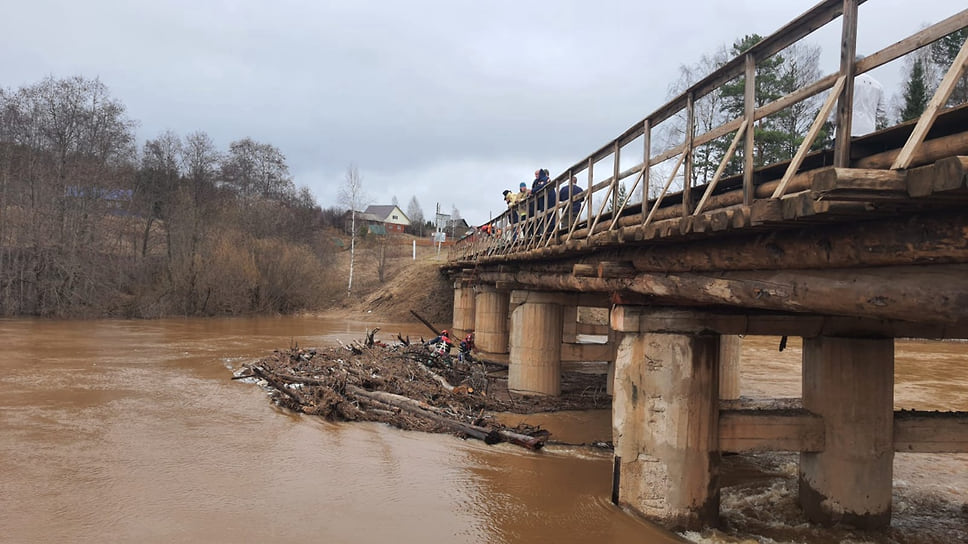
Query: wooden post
{"x": 665, "y": 426}
{"x": 465, "y": 309}
{"x": 845, "y": 107}
{"x": 646, "y": 167}
{"x": 730, "y": 356}
{"x": 849, "y": 382}
{"x": 535, "y": 362}
{"x": 687, "y": 172}
{"x": 491, "y": 320}
{"x": 749, "y": 109}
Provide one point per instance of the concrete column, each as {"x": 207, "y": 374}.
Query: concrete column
{"x": 730, "y": 352}
{"x": 665, "y": 426}
{"x": 535, "y": 363}
{"x": 491, "y": 320}
{"x": 465, "y": 309}
{"x": 850, "y": 382}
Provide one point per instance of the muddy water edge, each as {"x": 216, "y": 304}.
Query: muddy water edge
{"x": 133, "y": 431}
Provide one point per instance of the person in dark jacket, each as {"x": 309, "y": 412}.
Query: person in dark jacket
{"x": 543, "y": 200}
{"x": 570, "y": 215}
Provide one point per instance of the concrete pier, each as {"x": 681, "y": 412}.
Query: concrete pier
{"x": 536, "y": 333}
{"x": 491, "y": 320}
{"x": 465, "y": 310}
{"x": 850, "y": 383}
{"x": 665, "y": 427}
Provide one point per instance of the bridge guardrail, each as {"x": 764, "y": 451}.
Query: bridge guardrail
{"x": 601, "y": 205}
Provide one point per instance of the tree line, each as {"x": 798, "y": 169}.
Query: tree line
{"x": 93, "y": 225}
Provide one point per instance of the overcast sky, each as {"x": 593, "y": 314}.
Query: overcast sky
{"x": 450, "y": 101}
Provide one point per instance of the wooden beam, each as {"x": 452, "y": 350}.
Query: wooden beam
{"x": 653, "y": 318}
{"x": 587, "y": 352}
{"x": 770, "y": 430}
{"x": 859, "y": 179}
{"x": 920, "y": 294}
{"x": 931, "y": 432}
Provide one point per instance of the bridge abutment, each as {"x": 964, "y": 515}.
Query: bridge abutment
{"x": 665, "y": 427}
{"x": 849, "y": 382}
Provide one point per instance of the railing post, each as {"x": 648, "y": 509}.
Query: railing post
{"x": 749, "y": 109}
{"x": 848, "y": 51}
{"x": 591, "y": 181}
{"x": 615, "y": 158}
{"x": 646, "y": 169}
{"x": 687, "y": 172}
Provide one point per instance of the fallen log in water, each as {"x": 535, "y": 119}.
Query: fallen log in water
{"x": 489, "y": 436}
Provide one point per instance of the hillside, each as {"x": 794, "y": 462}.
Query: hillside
{"x": 410, "y": 284}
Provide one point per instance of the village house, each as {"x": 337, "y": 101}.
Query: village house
{"x": 380, "y": 220}
{"x": 392, "y": 217}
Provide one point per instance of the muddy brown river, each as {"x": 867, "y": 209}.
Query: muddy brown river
{"x": 133, "y": 431}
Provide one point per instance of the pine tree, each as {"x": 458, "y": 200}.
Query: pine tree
{"x": 943, "y": 53}
{"x": 915, "y": 93}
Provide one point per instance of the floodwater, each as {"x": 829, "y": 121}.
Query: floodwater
{"x": 133, "y": 431}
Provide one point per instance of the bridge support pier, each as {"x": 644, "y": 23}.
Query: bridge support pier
{"x": 850, "y": 383}
{"x": 665, "y": 425}
{"x": 536, "y": 333}
{"x": 491, "y": 320}
{"x": 465, "y": 310}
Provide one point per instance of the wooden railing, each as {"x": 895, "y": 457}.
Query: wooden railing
{"x": 600, "y": 205}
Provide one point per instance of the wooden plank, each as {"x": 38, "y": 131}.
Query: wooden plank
{"x": 931, "y": 432}
{"x": 770, "y": 430}
{"x": 931, "y": 110}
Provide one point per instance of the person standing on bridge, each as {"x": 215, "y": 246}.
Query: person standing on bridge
{"x": 569, "y": 215}
{"x": 868, "y": 107}
{"x": 867, "y": 111}
{"x": 544, "y": 199}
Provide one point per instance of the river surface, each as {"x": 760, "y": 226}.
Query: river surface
{"x": 133, "y": 431}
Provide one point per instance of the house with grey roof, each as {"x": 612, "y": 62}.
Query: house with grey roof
{"x": 392, "y": 217}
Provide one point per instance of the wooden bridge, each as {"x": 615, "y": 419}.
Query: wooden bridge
{"x": 848, "y": 247}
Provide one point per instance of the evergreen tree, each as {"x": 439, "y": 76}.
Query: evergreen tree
{"x": 943, "y": 53}
{"x": 915, "y": 93}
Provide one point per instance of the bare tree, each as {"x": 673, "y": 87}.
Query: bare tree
{"x": 254, "y": 169}
{"x": 352, "y": 196}
{"x": 416, "y": 216}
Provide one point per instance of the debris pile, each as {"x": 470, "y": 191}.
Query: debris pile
{"x": 413, "y": 386}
